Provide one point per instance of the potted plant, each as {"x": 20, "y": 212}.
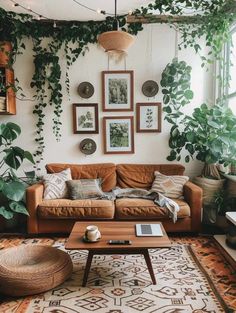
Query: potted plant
{"x": 209, "y": 135}
{"x": 12, "y": 187}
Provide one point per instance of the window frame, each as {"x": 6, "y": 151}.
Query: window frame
{"x": 225, "y": 69}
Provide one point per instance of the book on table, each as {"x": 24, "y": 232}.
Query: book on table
{"x": 149, "y": 230}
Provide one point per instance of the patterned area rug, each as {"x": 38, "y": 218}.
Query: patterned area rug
{"x": 192, "y": 277}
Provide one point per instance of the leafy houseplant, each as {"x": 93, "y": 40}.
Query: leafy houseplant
{"x": 12, "y": 188}
{"x": 209, "y": 135}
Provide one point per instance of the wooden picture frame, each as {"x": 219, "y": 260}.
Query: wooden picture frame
{"x": 148, "y": 117}
{"x": 117, "y": 91}
{"x": 118, "y": 134}
{"x": 85, "y": 118}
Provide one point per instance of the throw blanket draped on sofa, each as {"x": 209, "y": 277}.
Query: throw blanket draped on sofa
{"x": 156, "y": 197}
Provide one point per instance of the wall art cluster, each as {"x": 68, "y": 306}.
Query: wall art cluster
{"x": 118, "y": 131}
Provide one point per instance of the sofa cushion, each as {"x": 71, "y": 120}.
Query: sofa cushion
{"x": 81, "y": 209}
{"x": 169, "y": 186}
{"x": 142, "y": 175}
{"x": 105, "y": 171}
{"x": 84, "y": 188}
{"x": 146, "y": 209}
{"x": 55, "y": 184}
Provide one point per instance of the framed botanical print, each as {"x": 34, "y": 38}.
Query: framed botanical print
{"x": 118, "y": 134}
{"x": 85, "y": 118}
{"x": 117, "y": 90}
{"x": 148, "y": 117}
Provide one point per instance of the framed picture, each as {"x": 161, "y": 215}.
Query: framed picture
{"x": 117, "y": 90}
{"x": 148, "y": 117}
{"x": 85, "y": 118}
{"x": 118, "y": 133}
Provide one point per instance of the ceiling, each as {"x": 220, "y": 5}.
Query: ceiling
{"x": 70, "y": 10}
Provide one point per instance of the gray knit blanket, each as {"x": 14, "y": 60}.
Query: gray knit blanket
{"x": 156, "y": 197}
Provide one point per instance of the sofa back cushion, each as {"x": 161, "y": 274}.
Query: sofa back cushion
{"x": 105, "y": 171}
{"x": 142, "y": 175}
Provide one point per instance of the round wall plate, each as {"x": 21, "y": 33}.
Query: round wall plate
{"x": 87, "y": 146}
{"x": 150, "y": 88}
{"x": 85, "y": 90}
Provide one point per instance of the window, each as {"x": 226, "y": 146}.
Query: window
{"x": 229, "y": 70}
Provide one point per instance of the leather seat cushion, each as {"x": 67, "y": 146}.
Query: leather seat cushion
{"x": 129, "y": 208}
{"x": 81, "y": 209}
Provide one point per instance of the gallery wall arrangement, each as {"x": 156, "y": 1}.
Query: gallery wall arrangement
{"x": 117, "y": 96}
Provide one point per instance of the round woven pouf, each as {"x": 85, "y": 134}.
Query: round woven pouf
{"x": 31, "y": 269}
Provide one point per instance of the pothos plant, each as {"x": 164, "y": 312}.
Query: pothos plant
{"x": 175, "y": 83}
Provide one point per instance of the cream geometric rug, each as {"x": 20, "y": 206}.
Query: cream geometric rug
{"x": 121, "y": 284}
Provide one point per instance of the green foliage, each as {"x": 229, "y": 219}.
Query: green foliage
{"x": 12, "y": 188}
{"x": 175, "y": 83}
{"x": 210, "y": 20}
{"x": 72, "y": 37}
{"x": 209, "y": 135}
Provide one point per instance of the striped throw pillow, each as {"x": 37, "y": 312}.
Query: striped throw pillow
{"x": 55, "y": 184}
{"x": 84, "y": 188}
{"x": 169, "y": 186}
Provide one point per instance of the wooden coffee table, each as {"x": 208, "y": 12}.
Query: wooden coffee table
{"x": 117, "y": 231}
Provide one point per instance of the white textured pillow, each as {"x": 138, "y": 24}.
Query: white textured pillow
{"x": 169, "y": 186}
{"x": 55, "y": 184}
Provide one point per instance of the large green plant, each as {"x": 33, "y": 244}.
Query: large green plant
{"x": 12, "y": 188}
{"x": 209, "y": 135}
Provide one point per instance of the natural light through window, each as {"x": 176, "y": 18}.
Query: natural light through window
{"x": 231, "y": 92}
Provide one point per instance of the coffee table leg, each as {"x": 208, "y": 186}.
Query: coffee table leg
{"x": 149, "y": 265}
{"x": 87, "y": 268}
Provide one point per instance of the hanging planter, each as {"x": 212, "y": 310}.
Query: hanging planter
{"x": 115, "y": 41}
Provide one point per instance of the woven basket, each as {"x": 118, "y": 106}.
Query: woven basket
{"x": 210, "y": 188}
{"x": 32, "y": 269}
{"x": 115, "y": 40}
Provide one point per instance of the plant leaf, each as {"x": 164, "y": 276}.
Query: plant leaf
{"x": 18, "y": 208}
{"x": 14, "y": 190}
{"x": 6, "y": 213}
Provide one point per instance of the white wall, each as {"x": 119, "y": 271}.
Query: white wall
{"x": 153, "y": 49}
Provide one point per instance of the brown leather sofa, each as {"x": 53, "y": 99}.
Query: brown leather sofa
{"x": 59, "y": 215}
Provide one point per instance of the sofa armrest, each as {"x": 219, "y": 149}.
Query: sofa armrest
{"x": 34, "y": 196}
{"x": 193, "y": 196}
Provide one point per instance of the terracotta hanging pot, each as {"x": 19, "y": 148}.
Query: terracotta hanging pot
{"x": 5, "y": 52}
{"x": 115, "y": 40}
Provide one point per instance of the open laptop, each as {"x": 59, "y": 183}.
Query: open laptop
{"x": 148, "y": 230}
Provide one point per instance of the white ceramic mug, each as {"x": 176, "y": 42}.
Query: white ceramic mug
{"x": 92, "y": 233}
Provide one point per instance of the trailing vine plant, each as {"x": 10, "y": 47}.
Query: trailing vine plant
{"x": 175, "y": 83}
{"x": 48, "y": 42}
{"x": 210, "y": 20}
